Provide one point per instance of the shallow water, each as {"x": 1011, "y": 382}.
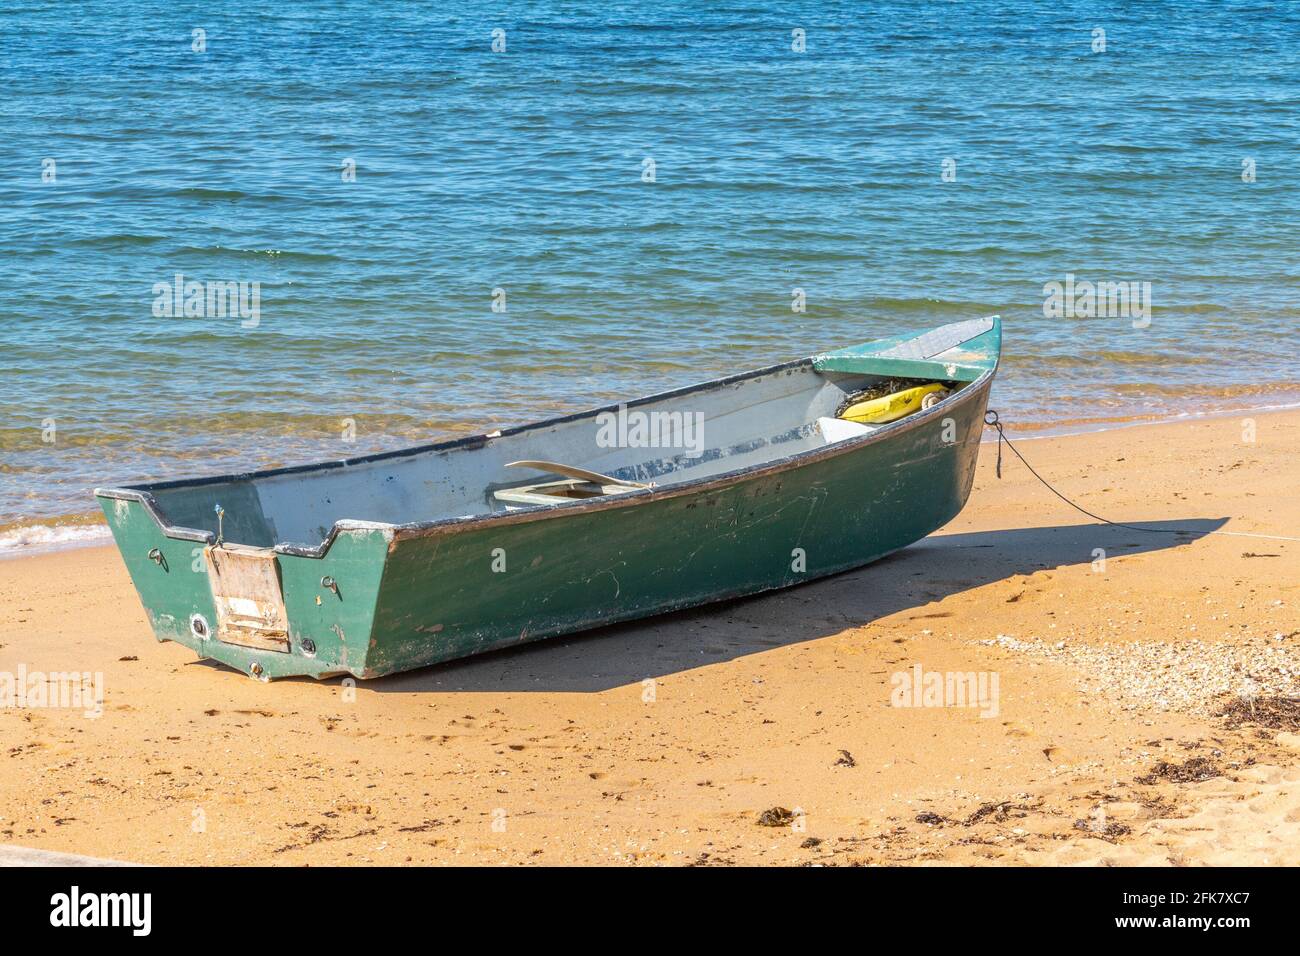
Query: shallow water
{"x": 523, "y": 171}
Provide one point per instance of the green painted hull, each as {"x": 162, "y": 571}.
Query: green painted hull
{"x": 409, "y": 596}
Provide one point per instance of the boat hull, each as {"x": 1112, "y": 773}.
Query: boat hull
{"x": 404, "y": 597}
{"x": 773, "y": 530}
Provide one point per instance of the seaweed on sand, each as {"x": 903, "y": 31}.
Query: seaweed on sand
{"x": 1276, "y": 713}
{"x": 1194, "y": 770}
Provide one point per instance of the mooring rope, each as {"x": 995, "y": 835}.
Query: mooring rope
{"x": 991, "y": 418}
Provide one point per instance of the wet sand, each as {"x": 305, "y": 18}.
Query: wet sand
{"x": 664, "y": 742}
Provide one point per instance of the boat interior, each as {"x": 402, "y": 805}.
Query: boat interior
{"x": 698, "y": 432}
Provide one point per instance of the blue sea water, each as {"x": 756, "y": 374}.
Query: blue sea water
{"x": 524, "y": 170}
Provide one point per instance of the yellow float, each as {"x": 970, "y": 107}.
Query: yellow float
{"x": 889, "y": 408}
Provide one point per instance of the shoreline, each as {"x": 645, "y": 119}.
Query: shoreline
{"x": 1049, "y": 431}
{"x": 97, "y": 533}
{"x": 1111, "y": 739}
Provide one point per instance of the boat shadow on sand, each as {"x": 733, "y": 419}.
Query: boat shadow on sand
{"x": 926, "y": 572}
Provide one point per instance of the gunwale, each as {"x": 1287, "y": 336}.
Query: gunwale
{"x": 415, "y": 529}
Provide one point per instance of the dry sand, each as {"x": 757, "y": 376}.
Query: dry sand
{"x": 664, "y": 741}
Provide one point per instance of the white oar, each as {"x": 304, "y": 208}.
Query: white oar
{"x": 569, "y": 471}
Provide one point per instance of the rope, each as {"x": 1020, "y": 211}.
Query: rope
{"x": 991, "y": 418}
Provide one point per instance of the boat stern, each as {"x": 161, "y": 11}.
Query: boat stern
{"x": 269, "y": 612}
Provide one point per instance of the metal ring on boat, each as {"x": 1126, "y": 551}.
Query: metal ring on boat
{"x": 988, "y": 420}
{"x": 199, "y": 626}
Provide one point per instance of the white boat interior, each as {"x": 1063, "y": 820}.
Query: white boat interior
{"x": 697, "y": 432}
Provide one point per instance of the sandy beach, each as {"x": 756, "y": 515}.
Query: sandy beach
{"x": 1114, "y": 651}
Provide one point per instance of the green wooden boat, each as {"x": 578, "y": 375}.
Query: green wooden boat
{"x": 380, "y": 564}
